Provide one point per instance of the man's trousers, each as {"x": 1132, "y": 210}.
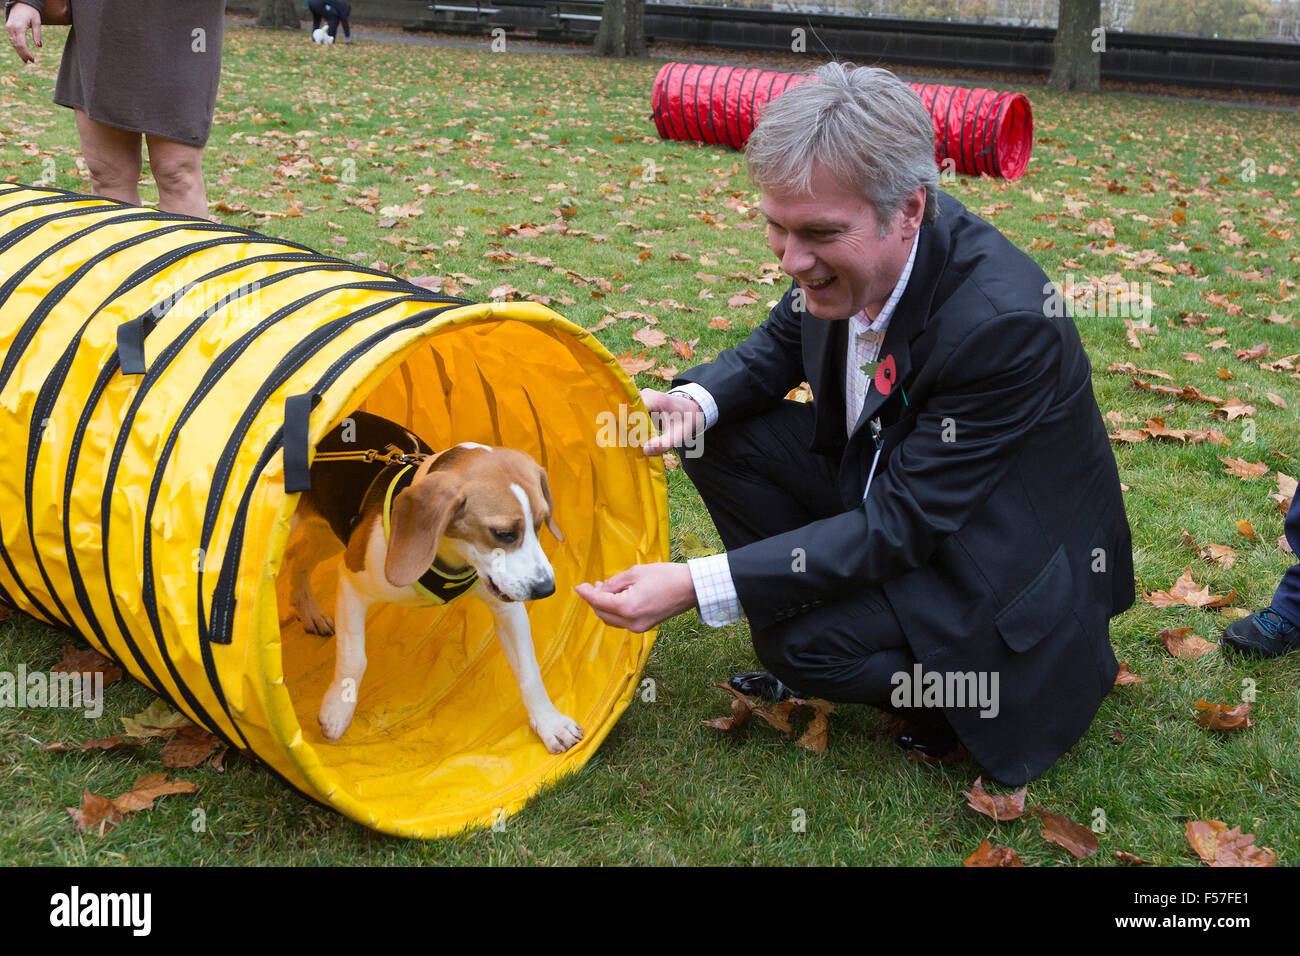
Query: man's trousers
{"x": 758, "y": 479}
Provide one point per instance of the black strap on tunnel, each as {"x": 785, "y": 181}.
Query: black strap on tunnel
{"x": 217, "y": 629}
{"x": 130, "y": 344}
{"x": 297, "y": 441}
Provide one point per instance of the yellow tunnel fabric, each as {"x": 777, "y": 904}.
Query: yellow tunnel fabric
{"x": 146, "y": 362}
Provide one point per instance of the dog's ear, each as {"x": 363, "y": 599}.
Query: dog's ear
{"x": 550, "y": 505}
{"x": 421, "y": 515}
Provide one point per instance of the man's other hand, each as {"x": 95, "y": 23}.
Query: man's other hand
{"x": 675, "y": 416}
{"x": 642, "y": 596}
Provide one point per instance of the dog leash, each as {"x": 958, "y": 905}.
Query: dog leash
{"x": 373, "y": 454}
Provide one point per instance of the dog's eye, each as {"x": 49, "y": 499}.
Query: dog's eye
{"x": 505, "y": 537}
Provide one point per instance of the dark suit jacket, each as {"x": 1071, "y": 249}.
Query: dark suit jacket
{"x": 994, "y": 524}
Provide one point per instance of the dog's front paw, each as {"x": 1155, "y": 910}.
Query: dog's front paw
{"x": 314, "y": 620}
{"x": 336, "y": 712}
{"x": 557, "y": 731}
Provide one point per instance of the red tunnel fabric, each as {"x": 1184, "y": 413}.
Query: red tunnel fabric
{"x": 983, "y": 132}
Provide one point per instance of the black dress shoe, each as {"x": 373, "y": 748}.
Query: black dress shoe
{"x": 931, "y": 739}
{"x": 1264, "y": 634}
{"x": 764, "y": 685}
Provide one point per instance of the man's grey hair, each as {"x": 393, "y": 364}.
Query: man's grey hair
{"x": 865, "y": 124}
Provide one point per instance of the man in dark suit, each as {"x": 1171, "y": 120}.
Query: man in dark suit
{"x": 941, "y": 531}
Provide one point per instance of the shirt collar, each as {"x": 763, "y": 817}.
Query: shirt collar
{"x": 860, "y": 324}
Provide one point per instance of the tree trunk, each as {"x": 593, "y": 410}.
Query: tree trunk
{"x": 622, "y": 29}
{"x": 277, "y": 13}
{"x": 1076, "y": 54}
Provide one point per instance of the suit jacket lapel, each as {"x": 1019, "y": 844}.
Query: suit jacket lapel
{"x": 910, "y": 317}
{"x": 909, "y": 320}
{"x": 825, "y": 344}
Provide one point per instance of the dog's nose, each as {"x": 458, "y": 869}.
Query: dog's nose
{"x": 542, "y": 589}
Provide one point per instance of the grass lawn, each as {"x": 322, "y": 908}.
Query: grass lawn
{"x": 503, "y": 174}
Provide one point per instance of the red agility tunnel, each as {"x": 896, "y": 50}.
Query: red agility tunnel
{"x": 981, "y": 131}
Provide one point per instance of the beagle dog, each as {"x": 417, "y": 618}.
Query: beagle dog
{"x": 422, "y": 530}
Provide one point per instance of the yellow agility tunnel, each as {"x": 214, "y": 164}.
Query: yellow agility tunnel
{"x": 156, "y": 371}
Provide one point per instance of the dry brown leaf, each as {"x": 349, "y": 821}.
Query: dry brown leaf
{"x": 1203, "y": 835}
{"x": 777, "y": 715}
{"x": 1131, "y": 435}
{"x": 718, "y": 322}
{"x": 741, "y": 706}
{"x": 190, "y": 747}
{"x": 741, "y": 299}
{"x": 96, "y": 814}
{"x": 1232, "y": 409}
{"x": 1183, "y": 647}
{"x": 987, "y": 855}
{"x": 1276, "y": 399}
{"x": 740, "y": 710}
{"x": 1216, "y": 845}
{"x": 683, "y": 348}
{"x": 633, "y": 364}
{"x": 1186, "y": 592}
{"x": 116, "y": 742}
{"x": 1222, "y": 716}
{"x": 817, "y": 734}
{"x": 1234, "y": 848}
{"x": 1125, "y": 857}
{"x": 87, "y": 661}
{"x": 1009, "y": 806}
{"x": 651, "y": 337}
{"x": 1132, "y": 330}
{"x": 1156, "y": 428}
{"x": 1126, "y": 676}
{"x": 1061, "y": 830}
{"x": 1246, "y": 470}
{"x": 148, "y": 788}
{"x": 1286, "y": 486}
{"x": 1219, "y": 553}
{"x": 1132, "y": 369}
{"x": 1246, "y": 530}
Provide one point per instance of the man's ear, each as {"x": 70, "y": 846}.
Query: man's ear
{"x": 912, "y": 214}
{"x": 421, "y": 515}
{"x": 550, "y": 505}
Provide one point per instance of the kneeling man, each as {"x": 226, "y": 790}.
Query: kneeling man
{"x": 940, "y": 532}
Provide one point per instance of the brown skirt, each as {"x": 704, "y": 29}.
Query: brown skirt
{"x": 150, "y": 66}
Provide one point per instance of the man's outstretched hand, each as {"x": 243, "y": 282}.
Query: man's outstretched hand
{"x": 642, "y": 596}
{"x": 676, "y": 416}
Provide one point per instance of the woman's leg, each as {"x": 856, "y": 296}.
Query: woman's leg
{"x": 178, "y": 170}
{"x": 113, "y": 158}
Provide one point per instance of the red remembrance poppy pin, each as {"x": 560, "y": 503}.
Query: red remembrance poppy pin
{"x": 885, "y": 374}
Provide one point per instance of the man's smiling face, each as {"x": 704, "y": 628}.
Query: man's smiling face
{"x": 828, "y": 241}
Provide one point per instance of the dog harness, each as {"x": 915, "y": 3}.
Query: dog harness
{"x": 439, "y": 584}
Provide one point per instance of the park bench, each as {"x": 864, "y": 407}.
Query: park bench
{"x": 569, "y": 22}
{"x": 467, "y": 16}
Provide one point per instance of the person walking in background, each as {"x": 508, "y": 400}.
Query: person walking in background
{"x": 132, "y": 69}
{"x": 333, "y": 12}
{"x": 1275, "y": 630}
